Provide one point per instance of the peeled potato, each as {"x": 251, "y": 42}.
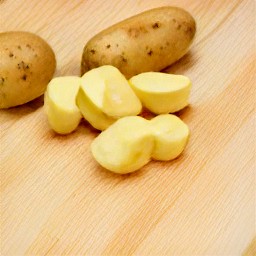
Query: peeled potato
{"x": 130, "y": 143}
{"x": 60, "y": 104}
{"x": 105, "y": 95}
{"x": 91, "y": 112}
{"x": 171, "y": 136}
{"x": 121, "y": 149}
{"x": 119, "y": 99}
{"x": 162, "y": 93}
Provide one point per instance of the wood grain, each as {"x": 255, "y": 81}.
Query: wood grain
{"x": 56, "y": 200}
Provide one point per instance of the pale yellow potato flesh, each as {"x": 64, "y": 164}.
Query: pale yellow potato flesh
{"x": 162, "y": 93}
{"x": 130, "y": 143}
{"x": 60, "y": 104}
{"x": 125, "y": 146}
{"x": 93, "y": 84}
{"x": 105, "y": 95}
{"x": 171, "y": 136}
{"x": 120, "y": 100}
{"x": 91, "y": 112}
{"x": 109, "y": 90}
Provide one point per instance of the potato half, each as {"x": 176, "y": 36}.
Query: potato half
{"x": 162, "y": 93}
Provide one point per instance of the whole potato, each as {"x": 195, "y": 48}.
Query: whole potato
{"x": 149, "y": 41}
{"x": 27, "y": 64}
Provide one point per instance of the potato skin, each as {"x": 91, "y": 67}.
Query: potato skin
{"x": 27, "y": 64}
{"x": 149, "y": 41}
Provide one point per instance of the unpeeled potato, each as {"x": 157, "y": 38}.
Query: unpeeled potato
{"x": 149, "y": 41}
{"x": 27, "y": 64}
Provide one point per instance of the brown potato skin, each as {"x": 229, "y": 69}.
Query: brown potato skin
{"x": 149, "y": 41}
{"x": 27, "y": 65}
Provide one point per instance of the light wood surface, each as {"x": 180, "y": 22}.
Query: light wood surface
{"x": 56, "y": 200}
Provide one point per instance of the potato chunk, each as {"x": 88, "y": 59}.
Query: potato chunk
{"x": 162, "y": 93}
{"x": 171, "y": 136}
{"x": 105, "y": 95}
{"x": 131, "y": 142}
{"x": 60, "y": 104}
{"x": 125, "y": 146}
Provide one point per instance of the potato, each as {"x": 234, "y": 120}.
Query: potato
{"x": 91, "y": 112}
{"x": 131, "y": 142}
{"x": 120, "y": 100}
{"x": 60, "y": 104}
{"x": 27, "y": 64}
{"x": 171, "y": 136}
{"x": 149, "y": 41}
{"x": 105, "y": 95}
{"x": 162, "y": 93}
{"x": 121, "y": 149}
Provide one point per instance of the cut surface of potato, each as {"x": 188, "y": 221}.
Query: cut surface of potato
{"x": 105, "y": 95}
{"x": 91, "y": 112}
{"x": 171, "y": 136}
{"x": 60, "y": 104}
{"x": 120, "y": 100}
{"x": 109, "y": 90}
{"x": 122, "y": 149}
{"x": 162, "y": 93}
{"x": 93, "y": 84}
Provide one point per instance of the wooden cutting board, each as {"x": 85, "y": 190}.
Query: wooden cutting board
{"x": 56, "y": 200}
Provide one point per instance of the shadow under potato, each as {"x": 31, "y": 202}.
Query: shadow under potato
{"x": 108, "y": 175}
{"x": 182, "y": 65}
{"x": 26, "y": 108}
